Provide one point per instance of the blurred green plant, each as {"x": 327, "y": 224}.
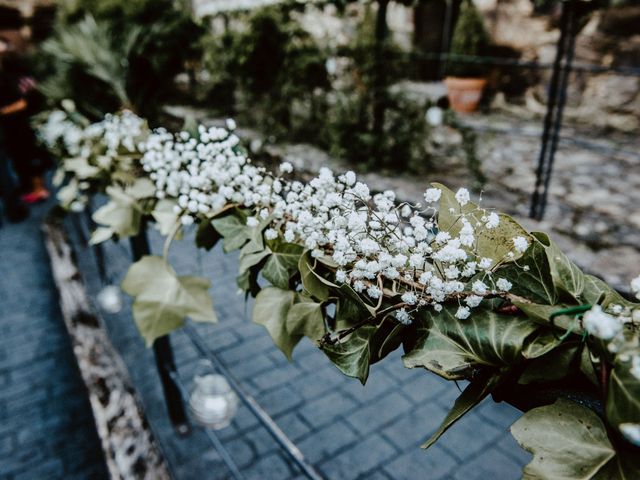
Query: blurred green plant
{"x": 470, "y": 39}
{"x": 108, "y": 54}
{"x": 267, "y": 68}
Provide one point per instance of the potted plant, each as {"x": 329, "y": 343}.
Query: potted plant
{"x": 465, "y": 80}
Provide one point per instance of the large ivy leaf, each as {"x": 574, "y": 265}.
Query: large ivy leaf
{"x": 568, "y": 442}
{"x": 566, "y": 275}
{"x": 493, "y": 243}
{"x": 532, "y": 278}
{"x": 282, "y": 263}
{"x": 352, "y": 355}
{"x": 163, "y": 299}
{"x": 556, "y": 364}
{"x": 270, "y": 310}
{"x": 453, "y": 348}
{"x": 473, "y": 394}
{"x": 306, "y": 318}
{"x": 233, "y": 230}
{"x": 623, "y": 398}
{"x": 310, "y": 279}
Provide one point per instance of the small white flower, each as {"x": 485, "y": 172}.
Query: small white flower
{"x": 432, "y": 195}
{"x": 252, "y": 222}
{"x": 341, "y": 276}
{"x": 601, "y": 324}
{"x": 635, "y": 366}
{"x": 231, "y": 124}
{"x": 504, "y": 285}
{"x": 635, "y": 286}
{"x": 403, "y": 317}
{"x": 462, "y": 196}
{"x": 270, "y": 234}
{"x": 463, "y": 313}
{"x": 286, "y": 167}
{"x": 409, "y": 298}
{"x": 479, "y": 288}
{"x": 520, "y": 244}
{"x": 631, "y": 431}
{"x": 473, "y": 301}
{"x": 493, "y": 220}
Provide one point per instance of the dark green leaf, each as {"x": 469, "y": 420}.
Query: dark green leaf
{"x": 282, "y": 263}
{"x": 352, "y": 355}
{"x": 623, "y": 399}
{"x": 536, "y": 283}
{"x": 556, "y": 364}
{"x": 306, "y": 318}
{"x": 310, "y": 281}
{"x": 567, "y": 277}
{"x": 207, "y": 237}
{"x": 453, "y": 348}
{"x": 473, "y": 394}
{"x": 270, "y": 310}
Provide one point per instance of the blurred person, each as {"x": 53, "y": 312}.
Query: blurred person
{"x": 14, "y": 210}
{"x": 20, "y": 144}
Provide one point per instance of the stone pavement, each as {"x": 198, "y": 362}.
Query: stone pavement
{"x": 345, "y": 430}
{"x": 46, "y": 425}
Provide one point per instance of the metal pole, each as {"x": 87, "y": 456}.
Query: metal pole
{"x": 566, "y": 71}
{"x": 163, "y": 353}
{"x": 550, "y": 115}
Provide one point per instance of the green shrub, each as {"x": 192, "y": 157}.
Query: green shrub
{"x": 470, "y": 38}
{"x": 267, "y": 68}
{"x": 106, "y": 54}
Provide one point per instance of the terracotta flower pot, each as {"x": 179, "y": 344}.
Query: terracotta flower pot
{"x": 464, "y": 93}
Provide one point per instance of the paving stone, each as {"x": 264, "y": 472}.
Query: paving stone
{"x": 491, "y": 464}
{"x": 433, "y": 464}
{"x": 325, "y": 442}
{"x": 365, "y": 455}
{"x": 292, "y": 425}
{"x": 322, "y": 410}
{"x": 376, "y": 414}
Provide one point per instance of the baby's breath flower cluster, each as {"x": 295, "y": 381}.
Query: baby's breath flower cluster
{"x": 378, "y": 246}
{"x": 93, "y": 150}
{"x": 206, "y": 172}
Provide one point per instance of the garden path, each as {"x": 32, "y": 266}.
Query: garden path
{"x": 46, "y": 426}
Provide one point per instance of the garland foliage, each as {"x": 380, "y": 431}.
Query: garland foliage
{"x": 467, "y": 293}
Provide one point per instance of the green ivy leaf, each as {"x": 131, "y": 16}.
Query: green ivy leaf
{"x": 233, "y": 230}
{"x": 251, "y": 259}
{"x": 473, "y": 394}
{"x": 310, "y": 279}
{"x": 568, "y": 441}
{"x": 493, "y": 243}
{"x": 353, "y": 354}
{"x": 163, "y": 300}
{"x": 556, "y": 364}
{"x": 540, "y": 343}
{"x": 270, "y": 310}
{"x": 453, "y": 348}
{"x": 567, "y": 277}
{"x": 535, "y": 283}
{"x": 623, "y": 397}
{"x": 282, "y": 263}
{"x": 306, "y": 318}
